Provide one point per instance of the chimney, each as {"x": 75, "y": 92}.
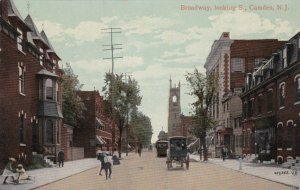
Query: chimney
{"x": 4, "y": 9}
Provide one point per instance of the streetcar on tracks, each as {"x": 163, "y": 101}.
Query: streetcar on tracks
{"x": 161, "y": 148}
{"x": 177, "y": 152}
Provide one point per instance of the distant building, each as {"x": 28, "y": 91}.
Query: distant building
{"x": 231, "y": 60}
{"x": 271, "y": 105}
{"x": 162, "y": 135}
{"x": 96, "y": 131}
{"x": 30, "y": 91}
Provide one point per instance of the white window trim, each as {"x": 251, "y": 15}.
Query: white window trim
{"x": 279, "y": 124}
{"x": 280, "y": 85}
{"x": 289, "y": 121}
{"x": 21, "y": 65}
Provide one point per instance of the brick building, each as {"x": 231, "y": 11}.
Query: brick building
{"x": 271, "y": 105}
{"x": 30, "y": 91}
{"x": 231, "y": 60}
{"x": 96, "y": 131}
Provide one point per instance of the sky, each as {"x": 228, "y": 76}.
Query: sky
{"x": 160, "y": 39}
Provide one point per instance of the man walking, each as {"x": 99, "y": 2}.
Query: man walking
{"x": 61, "y": 158}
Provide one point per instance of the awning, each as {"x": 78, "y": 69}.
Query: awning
{"x": 99, "y": 123}
{"x": 100, "y": 140}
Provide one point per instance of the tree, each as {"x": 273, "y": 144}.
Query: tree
{"x": 203, "y": 88}
{"x": 124, "y": 97}
{"x": 72, "y": 105}
{"x": 141, "y": 127}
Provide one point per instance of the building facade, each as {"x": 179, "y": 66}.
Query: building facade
{"x": 96, "y": 131}
{"x": 271, "y": 105}
{"x": 231, "y": 60}
{"x": 30, "y": 91}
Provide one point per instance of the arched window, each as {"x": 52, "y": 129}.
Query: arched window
{"x": 22, "y": 117}
{"x": 281, "y": 94}
{"x": 49, "y": 89}
{"x": 289, "y": 140}
{"x": 57, "y": 92}
{"x": 21, "y": 78}
{"x": 279, "y": 135}
{"x": 35, "y": 130}
{"x": 49, "y": 131}
{"x": 174, "y": 99}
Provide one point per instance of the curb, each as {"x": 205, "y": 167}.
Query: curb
{"x": 241, "y": 171}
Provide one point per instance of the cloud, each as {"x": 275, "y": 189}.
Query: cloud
{"x": 131, "y": 62}
{"x": 107, "y": 20}
{"x": 146, "y": 25}
{"x": 243, "y": 23}
{"x": 85, "y": 31}
{"x": 173, "y": 37}
{"x": 54, "y": 30}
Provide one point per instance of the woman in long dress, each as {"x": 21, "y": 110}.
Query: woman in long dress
{"x": 8, "y": 171}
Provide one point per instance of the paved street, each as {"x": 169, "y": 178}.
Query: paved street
{"x": 149, "y": 172}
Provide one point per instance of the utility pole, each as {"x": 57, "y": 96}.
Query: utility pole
{"x": 113, "y": 47}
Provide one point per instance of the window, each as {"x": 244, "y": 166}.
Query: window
{"x": 259, "y": 104}
{"x": 20, "y": 40}
{"x": 241, "y": 141}
{"x": 289, "y": 140}
{"x": 251, "y": 107}
{"x": 21, "y": 78}
{"x": 297, "y": 85}
{"x": 57, "y": 134}
{"x": 35, "y": 131}
{"x": 279, "y": 135}
{"x": 41, "y": 57}
{"x": 49, "y": 89}
{"x": 245, "y": 110}
{"x": 22, "y": 117}
{"x": 237, "y": 65}
{"x": 284, "y": 57}
{"x": 282, "y": 94}
{"x": 270, "y": 100}
{"x": 49, "y": 132}
{"x": 57, "y": 94}
{"x": 174, "y": 99}
{"x": 236, "y": 122}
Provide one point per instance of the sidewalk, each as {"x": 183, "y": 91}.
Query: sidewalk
{"x": 49, "y": 175}
{"x": 269, "y": 172}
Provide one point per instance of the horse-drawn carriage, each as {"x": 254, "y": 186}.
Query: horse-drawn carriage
{"x": 177, "y": 152}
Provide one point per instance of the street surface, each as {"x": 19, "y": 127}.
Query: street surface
{"x": 148, "y": 172}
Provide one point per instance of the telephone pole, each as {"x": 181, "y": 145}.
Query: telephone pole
{"x": 111, "y": 48}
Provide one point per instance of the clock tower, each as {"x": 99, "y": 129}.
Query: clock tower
{"x": 174, "y": 119}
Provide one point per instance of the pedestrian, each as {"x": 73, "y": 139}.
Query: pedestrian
{"x": 140, "y": 150}
{"x": 61, "y": 158}
{"x": 223, "y": 153}
{"x": 8, "y": 171}
{"x": 101, "y": 156}
{"x": 106, "y": 164}
{"x": 21, "y": 174}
